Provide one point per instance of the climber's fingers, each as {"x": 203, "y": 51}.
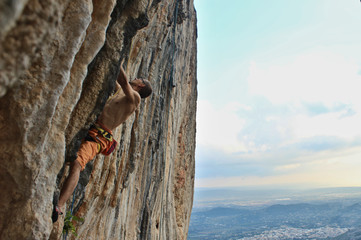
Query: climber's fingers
{"x": 122, "y": 63}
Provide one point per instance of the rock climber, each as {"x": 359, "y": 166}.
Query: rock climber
{"x": 100, "y": 139}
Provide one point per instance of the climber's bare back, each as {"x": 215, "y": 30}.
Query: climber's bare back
{"x": 118, "y": 109}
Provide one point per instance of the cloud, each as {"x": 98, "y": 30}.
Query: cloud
{"x": 260, "y": 140}
{"x": 211, "y": 162}
{"x": 341, "y": 124}
{"x": 316, "y": 108}
{"x": 317, "y": 76}
{"x": 320, "y": 170}
{"x": 218, "y": 127}
{"x": 282, "y": 106}
{"x": 266, "y": 125}
{"x": 303, "y": 156}
{"x": 319, "y": 92}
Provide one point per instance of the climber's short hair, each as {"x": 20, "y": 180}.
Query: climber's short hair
{"x": 146, "y": 90}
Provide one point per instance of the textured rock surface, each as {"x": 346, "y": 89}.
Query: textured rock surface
{"x": 58, "y": 64}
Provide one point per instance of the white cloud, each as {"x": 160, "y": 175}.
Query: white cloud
{"x": 329, "y": 124}
{"x": 288, "y": 167}
{"x": 218, "y": 128}
{"x": 304, "y": 107}
{"x": 325, "y": 170}
{"x": 316, "y": 76}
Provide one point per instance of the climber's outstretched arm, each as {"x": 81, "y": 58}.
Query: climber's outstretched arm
{"x": 122, "y": 77}
{"x": 124, "y": 84}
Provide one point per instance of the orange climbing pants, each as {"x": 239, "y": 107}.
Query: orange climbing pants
{"x": 99, "y": 140}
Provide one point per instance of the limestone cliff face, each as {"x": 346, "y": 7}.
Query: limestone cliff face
{"x": 58, "y": 65}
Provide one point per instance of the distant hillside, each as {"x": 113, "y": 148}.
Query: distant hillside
{"x": 354, "y": 234}
{"x": 326, "y": 219}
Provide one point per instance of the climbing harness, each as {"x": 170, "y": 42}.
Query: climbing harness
{"x": 107, "y": 135}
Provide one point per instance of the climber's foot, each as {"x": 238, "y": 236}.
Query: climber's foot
{"x": 56, "y": 213}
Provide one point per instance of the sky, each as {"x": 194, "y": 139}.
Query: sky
{"x": 279, "y": 93}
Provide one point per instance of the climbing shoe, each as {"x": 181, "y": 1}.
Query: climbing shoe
{"x": 56, "y": 213}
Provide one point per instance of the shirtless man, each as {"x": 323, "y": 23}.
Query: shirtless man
{"x": 99, "y": 139}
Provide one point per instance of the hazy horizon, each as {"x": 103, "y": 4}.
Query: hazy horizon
{"x": 258, "y": 197}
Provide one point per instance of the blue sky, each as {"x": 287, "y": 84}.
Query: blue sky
{"x": 279, "y": 99}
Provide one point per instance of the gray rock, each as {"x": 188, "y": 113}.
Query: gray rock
{"x": 58, "y": 65}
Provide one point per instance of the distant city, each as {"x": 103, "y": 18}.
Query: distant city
{"x": 276, "y": 214}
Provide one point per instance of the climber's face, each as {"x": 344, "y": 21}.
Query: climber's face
{"x": 142, "y": 86}
{"x": 138, "y": 82}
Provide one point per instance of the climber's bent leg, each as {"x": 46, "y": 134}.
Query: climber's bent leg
{"x": 70, "y": 183}
{"x": 68, "y": 188}
{"x": 87, "y": 151}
